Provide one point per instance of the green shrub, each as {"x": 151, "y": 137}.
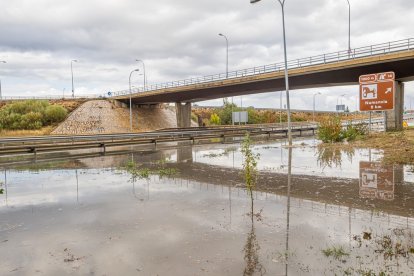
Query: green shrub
{"x": 31, "y": 120}
{"x": 330, "y": 130}
{"x": 354, "y": 131}
{"x": 215, "y": 119}
{"x": 30, "y": 114}
{"x": 55, "y": 114}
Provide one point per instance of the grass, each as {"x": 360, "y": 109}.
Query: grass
{"x": 398, "y": 147}
{"x": 18, "y": 133}
{"x": 336, "y": 252}
{"x": 144, "y": 173}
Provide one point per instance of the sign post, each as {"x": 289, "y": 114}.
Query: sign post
{"x": 376, "y": 92}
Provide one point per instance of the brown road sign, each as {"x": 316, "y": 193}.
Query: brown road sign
{"x": 376, "y": 91}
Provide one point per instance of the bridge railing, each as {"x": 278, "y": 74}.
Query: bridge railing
{"x": 46, "y": 97}
{"x": 367, "y": 51}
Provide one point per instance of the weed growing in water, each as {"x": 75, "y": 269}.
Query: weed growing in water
{"x": 336, "y": 252}
{"x": 250, "y": 160}
{"x": 144, "y": 173}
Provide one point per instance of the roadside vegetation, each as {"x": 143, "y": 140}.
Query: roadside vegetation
{"x": 222, "y": 115}
{"x": 30, "y": 115}
{"x": 259, "y": 116}
{"x": 332, "y": 131}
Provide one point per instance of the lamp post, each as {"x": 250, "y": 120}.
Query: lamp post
{"x": 130, "y": 99}
{"x": 71, "y": 70}
{"x": 314, "y": 95}
{"x": 280, "y": 109}
{"x": 227, "y": 55}
{"x": 1, "y": 95}
{"x": 282, "y": 4}
{"x": 227, "y": 71}
{"x": 145, "y": 76}
{"x": 349, "y": 27}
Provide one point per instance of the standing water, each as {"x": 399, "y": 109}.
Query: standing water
{"x": 185, "y": 211}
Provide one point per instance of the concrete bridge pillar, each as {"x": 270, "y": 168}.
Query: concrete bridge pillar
{"x": 183, "y": 113}
{"x": 394, "y": 118}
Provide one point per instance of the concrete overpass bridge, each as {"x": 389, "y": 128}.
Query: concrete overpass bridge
{"x": 327, "y": 70}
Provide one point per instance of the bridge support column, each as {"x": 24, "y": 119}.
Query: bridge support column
{"x": 183, "y": 113}
{"x": 394, "y": 118}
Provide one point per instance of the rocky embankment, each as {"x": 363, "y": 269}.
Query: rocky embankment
{"x": 101, "y": 116}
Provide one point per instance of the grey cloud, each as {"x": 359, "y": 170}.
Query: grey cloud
{"x": 177, "y": 39}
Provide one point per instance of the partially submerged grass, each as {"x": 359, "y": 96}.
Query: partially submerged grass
{"x": 336, "y": 252}
{"x": 138, "y": 172}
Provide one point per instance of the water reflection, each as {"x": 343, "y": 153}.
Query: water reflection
{"x": 331, "y": 156}
{"x": 376, "y": 181}
{"x": 252, "y": 247}
{"x": 289, "y": 184}
{"x": 200, "y": 216}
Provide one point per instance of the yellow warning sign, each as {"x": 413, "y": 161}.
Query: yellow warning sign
{"x": 405, "y": 124}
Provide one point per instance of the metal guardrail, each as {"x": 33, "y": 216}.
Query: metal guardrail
{"x": 367, "y": 51}
{"x": 16, "y": 145}
{"x": 377, "y": 123}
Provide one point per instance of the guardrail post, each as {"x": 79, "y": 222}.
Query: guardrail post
{"x": 324, "y": 58}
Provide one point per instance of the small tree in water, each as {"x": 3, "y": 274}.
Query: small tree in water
{"x": 249, "y": 164}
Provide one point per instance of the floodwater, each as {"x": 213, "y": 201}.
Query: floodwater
{"x": 185, "y": 211}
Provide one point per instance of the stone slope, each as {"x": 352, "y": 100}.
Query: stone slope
{"x": 101, "y": 116}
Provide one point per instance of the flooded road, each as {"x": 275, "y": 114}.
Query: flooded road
{"x": 185, "y": 211}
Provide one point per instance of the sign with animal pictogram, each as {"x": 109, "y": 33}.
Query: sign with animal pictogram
{"x": 376, "y": 92}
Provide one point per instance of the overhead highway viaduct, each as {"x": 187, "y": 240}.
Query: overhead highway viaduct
{"x": 327, "y": 70}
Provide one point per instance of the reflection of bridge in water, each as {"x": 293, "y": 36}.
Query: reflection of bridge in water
{"x": 329, "y": 193}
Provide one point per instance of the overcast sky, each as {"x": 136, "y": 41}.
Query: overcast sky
{"x": 179, "y": 39}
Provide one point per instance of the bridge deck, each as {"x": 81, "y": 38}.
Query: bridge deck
{"x": 341, "y": 68}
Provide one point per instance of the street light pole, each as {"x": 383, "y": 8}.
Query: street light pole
{"x": 130, "y": 99}
{"x": 349, "y": 27}
{"x": 227, "y": 55}
{"x": 1, "y": 95}
{"x": 71, "y": 70}
{"x": 282, "y": 4}
{"x": 145, "y": 76}
{"x": 280, "y": 109}
{"x": 227, "y": 71}
{"x": 314, "y": 95}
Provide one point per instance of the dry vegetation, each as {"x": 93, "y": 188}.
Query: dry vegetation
{"x": 398, "y": 147}
{"x": 17, "y": 133}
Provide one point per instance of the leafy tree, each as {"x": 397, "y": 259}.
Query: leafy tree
{"x": 215, "y": 119}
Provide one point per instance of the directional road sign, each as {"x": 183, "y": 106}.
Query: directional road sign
{"x": 376, "y": 91}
